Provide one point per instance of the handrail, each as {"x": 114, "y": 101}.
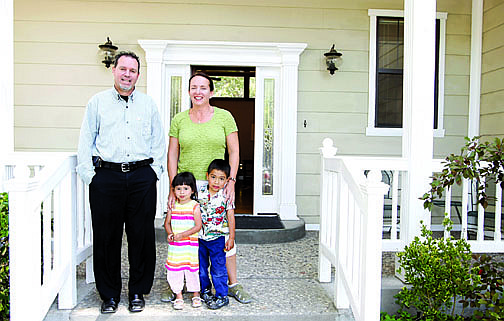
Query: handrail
{"x": 348, "y": 237}
{"x": 49, "y": 208}
{"x": 351, "y": 213}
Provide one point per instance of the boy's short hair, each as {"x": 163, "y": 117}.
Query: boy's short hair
{"x": 220, "y": 165}
{"x": 186, "y": 178}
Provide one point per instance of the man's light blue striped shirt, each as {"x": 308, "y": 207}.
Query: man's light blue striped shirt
{"x": 120, "y": 131}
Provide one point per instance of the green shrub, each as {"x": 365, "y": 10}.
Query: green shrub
{"x": 403, "y": 316}
{"x": 4, "y": 258}
{"x": 469, "y": 165}
{"x": 440, "y": 274}
{"x": 488, "y": 295}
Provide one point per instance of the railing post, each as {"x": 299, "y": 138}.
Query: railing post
{"x": 371, "y": 259}
{"x": 324, "y": 269}
{"x": 67, "y": 298}
{"x": 25, "y": 254}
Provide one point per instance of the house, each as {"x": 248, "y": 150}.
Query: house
{"x": 57, "y": 67}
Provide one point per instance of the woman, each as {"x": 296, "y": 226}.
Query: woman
{"x": 198, "y": 136}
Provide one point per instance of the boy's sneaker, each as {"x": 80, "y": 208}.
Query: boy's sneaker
{"x": 239, "y": 294}
{"x": 207, "y": 296}
{"x": 167, "y": 295}
{"x": 218, "y": 302}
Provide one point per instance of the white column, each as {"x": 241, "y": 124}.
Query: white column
{"x": 288, "y": 103}
{"x": 7, "y": 80}
{"x": 155, "y": 83}
{"x": 418, "y": 109}
{"x": 24, "y": 221}
{"x": 475, "y": 73}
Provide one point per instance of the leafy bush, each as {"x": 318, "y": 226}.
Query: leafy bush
{"x": 488, "y": 295}
{"x": 439, "y": 272}
{"x": 468, "y": 165}
{"x": 403, "y": 316}
{"x": 4, "y": 258}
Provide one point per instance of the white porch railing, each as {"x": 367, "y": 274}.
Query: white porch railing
{"x": 351, "y": 224}
{"x": 350, "y": 235}
{"x": 49, "y": 232}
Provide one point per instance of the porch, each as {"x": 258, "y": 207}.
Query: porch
{"x": 281, "y": 277}
{"x": 285, "y": 279}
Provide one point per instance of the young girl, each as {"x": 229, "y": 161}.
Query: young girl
{"x": 182, "y": 224}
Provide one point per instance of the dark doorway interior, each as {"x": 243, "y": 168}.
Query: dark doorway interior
{"x": 235, "y": 92}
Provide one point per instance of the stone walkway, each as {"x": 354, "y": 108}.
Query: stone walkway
{"x": 282, "y": 278}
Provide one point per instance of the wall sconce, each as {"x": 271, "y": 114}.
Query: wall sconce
{"x": 333, "y": 60}
{"x": 108, "y": 51}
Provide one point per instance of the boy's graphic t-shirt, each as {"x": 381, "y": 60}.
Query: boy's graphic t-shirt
{"x": 213, "y": 214}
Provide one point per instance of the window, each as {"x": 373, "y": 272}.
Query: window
{"x": 230, "y": 82}
{"x": 386, "y": 73}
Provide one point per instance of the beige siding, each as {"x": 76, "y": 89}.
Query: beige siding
{"x": 492, "y": 77}
{"x": 58, "y": 67}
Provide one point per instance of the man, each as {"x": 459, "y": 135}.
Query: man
{"x": 121, "y": 156}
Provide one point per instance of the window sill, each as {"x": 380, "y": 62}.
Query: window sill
{"x": 373, "y": 131}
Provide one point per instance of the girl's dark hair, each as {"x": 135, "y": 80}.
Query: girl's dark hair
{"x": 202, "y": 74}
{"x": 186, "y": 178}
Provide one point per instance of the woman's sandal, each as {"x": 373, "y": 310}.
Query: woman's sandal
{"x": 196, "y": 302}
{"x": 178, "y": 304}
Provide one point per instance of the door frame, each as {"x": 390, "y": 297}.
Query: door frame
{"x": 163, "y": 57}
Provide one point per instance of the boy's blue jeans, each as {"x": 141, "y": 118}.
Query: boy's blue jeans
{"x": 211, "y": 254}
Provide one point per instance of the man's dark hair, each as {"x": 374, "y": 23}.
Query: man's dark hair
{"x": 186, "y": 178}
{"x": 127, "y": 54}
{"x": 202, "y": 74}
{"x": 220, "y": 165}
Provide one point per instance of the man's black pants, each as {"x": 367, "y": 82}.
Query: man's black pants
{"x": 123, "y": 199}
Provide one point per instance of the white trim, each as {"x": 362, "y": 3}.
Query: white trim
{"x": 371, "y": 130}
{"x": 475, "y": 73}
{"x": 312, "y": 227}
{"x": 7, "y": 80}
{"x": 375, "y": 131}
{"x": 170, "y": 55}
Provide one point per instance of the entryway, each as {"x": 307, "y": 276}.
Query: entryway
{"x": 235, "y": 92}
{"x": 275, "y": 109}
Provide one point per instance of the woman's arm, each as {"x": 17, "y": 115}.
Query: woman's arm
{"x": 173, "y": 157}
{"x": 231, "y": 222}
{"x": 233, "y": 146}
{"x": 167, "y": 225}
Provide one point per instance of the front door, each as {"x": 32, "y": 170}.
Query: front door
{"x": 276, "y": 64}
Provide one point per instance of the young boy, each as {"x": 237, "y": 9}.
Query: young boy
{"x": 218, "y": 221}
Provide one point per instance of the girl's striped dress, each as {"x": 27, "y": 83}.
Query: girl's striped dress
{"x": 183, "y": 254}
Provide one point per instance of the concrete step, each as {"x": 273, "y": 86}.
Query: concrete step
{"x": 274, "y": 299}
{"x": 281, "y": 278}
{"x": 292, "y": 231}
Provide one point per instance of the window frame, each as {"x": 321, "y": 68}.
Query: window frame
{"x": 371, "y": 130}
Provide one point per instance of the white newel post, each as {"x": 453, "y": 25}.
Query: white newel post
{"x": 324, "y": 268}
{"x": 154, "y": 51}
{"x": 288, "y": 103}
{"x": 374, "y": 189}
{"x": 25, "y": 255}
{"x": 67, "y": 298}
{"x": 418, "y": 110}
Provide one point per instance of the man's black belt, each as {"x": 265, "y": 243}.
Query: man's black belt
{"x": 121, "y": 167}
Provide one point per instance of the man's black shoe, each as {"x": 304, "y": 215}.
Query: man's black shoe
{"x": 207, "y": 296}
{"x": 136, "y": 303}
{"x": 110, "y": 305}
{"x": 218, "y": 302}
